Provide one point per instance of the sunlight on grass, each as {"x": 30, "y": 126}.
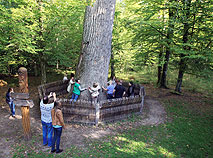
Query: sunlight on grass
{"x": 166, "y": 152}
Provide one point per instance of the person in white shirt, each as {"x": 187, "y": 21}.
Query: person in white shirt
{"x": 71, "y": 83}
{"x": 46, "y": 119}
{"x": 94, "y": 90}
{"x": 65, "y": 78}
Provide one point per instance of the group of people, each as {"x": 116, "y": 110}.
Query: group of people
{"x": 52, "y": 122}
{"x": 115, "y": 89}
{"x": 51, "y": 113}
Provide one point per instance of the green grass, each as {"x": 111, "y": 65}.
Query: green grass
{"x": 188, "y": 134}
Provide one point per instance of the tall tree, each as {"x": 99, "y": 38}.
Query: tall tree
{"x": 96, "y": 45}
{"x": 169, "y": 36}
{"x": 186, "y": 27}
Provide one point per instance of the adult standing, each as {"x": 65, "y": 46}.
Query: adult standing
{"x": 109, "y": 89}
{"x": 10, "y": 102}
{"x": 131, "y": 89}
{"x": 119, "y": 90}
{"x": 76, "y": 91}
{"x": 71, "y": 83}
{"x": 94, "y": 90}
{"x": 46, "y": 119}
{"x": 58, "y": 124}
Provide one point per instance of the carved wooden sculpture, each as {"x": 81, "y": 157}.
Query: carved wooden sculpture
{"x": 25, "y": 110}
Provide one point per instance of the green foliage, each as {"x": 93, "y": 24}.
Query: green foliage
{"x": 25, "y": 24}
{"x": 141, "y": 32}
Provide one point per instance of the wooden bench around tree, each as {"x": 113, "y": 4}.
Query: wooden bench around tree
{"x": 88, "y": 112}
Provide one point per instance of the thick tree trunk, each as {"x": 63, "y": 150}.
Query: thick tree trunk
{"x": 96, "y": 47}
{"x": 168, "y": 50}
{"x": 182, "y": 63}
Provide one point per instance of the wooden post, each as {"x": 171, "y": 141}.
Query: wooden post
{"x": 97, "y": 113}
{"x": 142, "y": 94}
{"x": 25, "y": 110}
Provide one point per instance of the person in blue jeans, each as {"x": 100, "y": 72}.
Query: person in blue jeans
{"x": 76, "y": 91}
{"x": 58, "y": 124}
{"x": 9, "y": 101}
{"x": 46, "y": 119}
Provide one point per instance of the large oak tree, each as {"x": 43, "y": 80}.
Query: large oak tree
{"x": 96, "y": 44}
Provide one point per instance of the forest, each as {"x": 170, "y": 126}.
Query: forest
{"x": 164, "y": 45}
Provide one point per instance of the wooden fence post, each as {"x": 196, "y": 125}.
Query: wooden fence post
{"x": 25, "y": 110}
{"x": 97, "y": 112}
{"x": 142, "y": 93}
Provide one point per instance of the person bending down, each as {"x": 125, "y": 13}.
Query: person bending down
{"x": 76, "y": 91}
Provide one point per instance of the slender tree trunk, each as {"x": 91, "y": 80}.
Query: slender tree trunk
{"x": 41, "y": 46}
{"x": 35, "y": 69}
{"x": 112, "y": 66}
{"x": 94, "y": 60}
{"x": 159, "y": 65}
{"x": 43, "y": 71}
{"x": 160, "y": 59}
{"x": 180, "y": 74}
{"x": 182, "y": 63}
{"x": 168, "y": 50}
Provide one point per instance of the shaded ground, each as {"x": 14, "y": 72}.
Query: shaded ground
{"x": 12, "y": 134}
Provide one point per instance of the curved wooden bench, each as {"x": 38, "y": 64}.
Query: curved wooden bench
{"x": 88, "y": 112}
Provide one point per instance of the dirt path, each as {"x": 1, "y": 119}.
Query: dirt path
{"x": 11, "y": 129}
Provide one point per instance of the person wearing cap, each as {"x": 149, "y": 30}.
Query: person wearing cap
{"x": 46, "y": 119}
{"x": 94, "y": 90}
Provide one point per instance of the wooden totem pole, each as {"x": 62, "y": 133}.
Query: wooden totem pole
{"x": 25, "y": 109}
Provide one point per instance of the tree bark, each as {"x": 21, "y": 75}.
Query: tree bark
{"x": 94, "y": 60}
{"x": 41, "y": 45}
{"x": 182, "y": 63}
{"x": 43, "y": 70}
{"x": 112, "y": 66}
{"x": 168, "y": 50}
{"x": 159, "y": 65}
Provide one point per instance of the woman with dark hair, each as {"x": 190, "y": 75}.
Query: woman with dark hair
{"x": 131, "y": 88}
{"x": 58, "y": 123}
{"x": 71, "y": 83}
{"x": 9, "y": 101}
